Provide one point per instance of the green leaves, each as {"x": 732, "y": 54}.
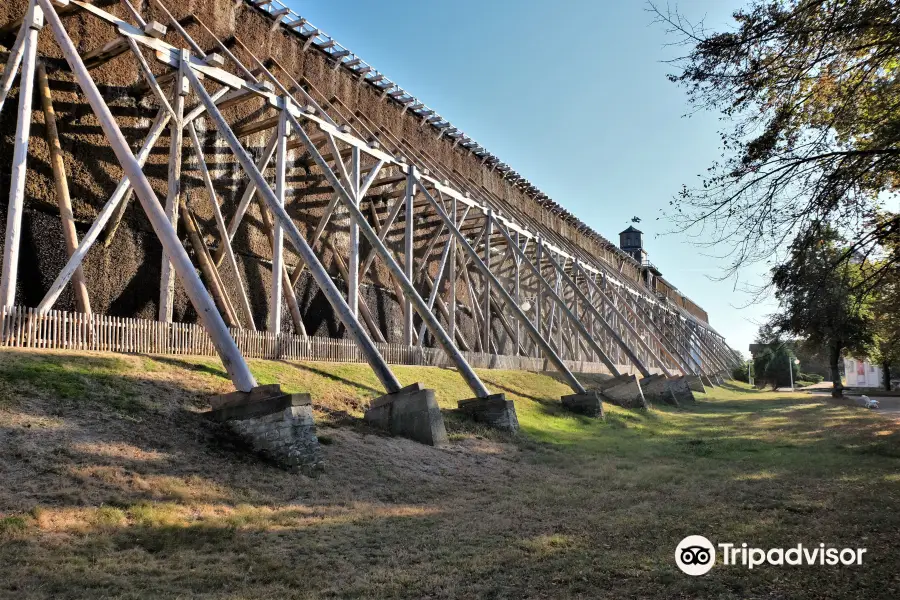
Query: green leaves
{"x": 811, "y": 97}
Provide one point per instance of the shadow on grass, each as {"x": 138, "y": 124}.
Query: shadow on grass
{"x": 521, "y": 394}
{"x": 213, "y": 370}
{"x": 333, "y": 377}
{"x": 728, "y": 385}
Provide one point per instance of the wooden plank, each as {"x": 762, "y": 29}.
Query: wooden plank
{"x": 278, "y": 231}
{"x": 9, "y": 276}
{"x": 64, "y": 200}
{"x": 289, "y": 294}
{"x": 220, "y": 224}
{"x": 12, "y": 65}
{"x": 173, "y": 195}
{"x": 208, "y": 268}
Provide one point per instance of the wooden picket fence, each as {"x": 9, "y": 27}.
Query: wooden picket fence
{"x": 22, "y": 327}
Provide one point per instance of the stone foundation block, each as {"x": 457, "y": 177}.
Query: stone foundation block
{"x": 695, "y": 383}
{"x": 411, "y": 413}
{"x": 494, "y": 410}
{"x": 680, "y": 389}
{"x": 588, "y": 404}
{"x": 626, "y": 393}
{"x": 656, "y": 389}
{"x": 279, "y": 426}
{"x": 707, "y": 381}
{"x": 613, "y": 382}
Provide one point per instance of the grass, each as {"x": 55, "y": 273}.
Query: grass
{"x": 113, "y": 485}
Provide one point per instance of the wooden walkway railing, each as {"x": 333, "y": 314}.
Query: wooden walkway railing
{"x": 22, "y": 327}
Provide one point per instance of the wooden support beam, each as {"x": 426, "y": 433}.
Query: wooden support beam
{"x": 105, "y": 53}
{"x": 232, "y": 359}
{"x": 353, "y": 267}
{"x": 207, "y": 268}
{"x": 289, "y": 295}
{"x": 398, "y": 291}
{"x": 329, "y": 290}
{"x": 488, "y": 229}
{"x": 473, "y": 306}
{"x": 507, "y": 299}
{"x": 149, "y": 77}
{"x": 408, "y": 257}
{"x": 12, "y": 64}
{"x": 134, "y": 13}
{"x": 67, "y": 219}
{"x": 195, "y": 47}
{"x": 34, "y": 22}
{"x": 368, "y": 318}
{"x": 118, "y": 198}
{"x": 244, "y": 204}
{"x": 173, "y": 195}
{"x": 452, "y": 277}
{"x": 442, "y": 308}
{"x": 278, "y": 235}
{"x": 220, "y": 225}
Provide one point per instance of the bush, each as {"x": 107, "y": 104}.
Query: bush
{"x": 741, "y": 373}
{"x": 813, "y": 377}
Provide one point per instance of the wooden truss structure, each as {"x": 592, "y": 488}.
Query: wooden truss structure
{"x": 525, "y": 286}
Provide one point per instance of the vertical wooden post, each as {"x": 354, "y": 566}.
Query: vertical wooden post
{"x": 289, "y": 295}
{"x": 488, "y": 231}
{"x": 353, "y": 262}
{"x": 231, "y": 357}
{"x": 559, "y": 322}
{"x": 408, "y": 253}
{"x": 538, "y": 296}
{"x": 13, "y": 63}
{"x": 173, "y": 197}
{"x": 35, "y": 21}
{"x": 208, "y": 268}
{"x": 517, "y": 288}
{"x": 67, "y": 219}
{"x": 329, "y": 290}
{"x": 451, "y": 319}
{"x": 220, "y": 225}
{"x": 278, "y": 234}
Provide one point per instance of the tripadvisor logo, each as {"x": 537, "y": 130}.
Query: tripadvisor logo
{"x": 696, "y": 555}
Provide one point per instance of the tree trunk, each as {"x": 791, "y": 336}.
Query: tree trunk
{"x": 886, "y": 375}
{"x": 834, "y": 358}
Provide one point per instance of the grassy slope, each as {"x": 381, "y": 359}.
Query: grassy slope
{"x": 111, "y": 484}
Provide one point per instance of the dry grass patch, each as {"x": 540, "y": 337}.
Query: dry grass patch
{"x": 113, "y": 485}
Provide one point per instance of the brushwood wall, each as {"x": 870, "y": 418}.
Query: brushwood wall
{"x": 123, "y": 278}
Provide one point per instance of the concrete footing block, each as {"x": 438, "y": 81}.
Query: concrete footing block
{"x": 707, "y": 381}
{"x": 626, "y": 392}
{"x": 279, "y": 426}
{"x": 695, "y": 383}
{"x": 494, "y": 410}
{"x": 411, "y": 413}
{"x": 656, "y": 389}
{"x": 680, "y": 389}
{"x": 588, "y": 404}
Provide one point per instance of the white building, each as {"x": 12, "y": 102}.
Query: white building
{"x": 862, "y": 373}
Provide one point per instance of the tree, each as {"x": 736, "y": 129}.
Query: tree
{"x": 782, "y": 369}
{"x": 885, "y": 348}
{"x": 810, "y": 90}
{"x": 776, "y": 364}
{"x": 741, "y": 373}
{"x": 822, "y": 300}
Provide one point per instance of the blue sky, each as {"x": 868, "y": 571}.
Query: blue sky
{"x": 573, "y": 95}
